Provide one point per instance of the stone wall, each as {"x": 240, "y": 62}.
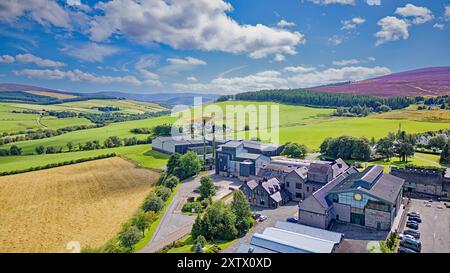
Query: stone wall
{"x": 373, "y": 217}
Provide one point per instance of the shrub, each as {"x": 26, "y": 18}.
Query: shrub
{"x": 171, "y": 182}
{"x": 213, "y": 249}
{"x": 207, "y": 187}
{"x": 130, "y": 237}
{"x": 189, "y": 207}
{"x": 163, "y": 192}
{"x": 154, "y": 203}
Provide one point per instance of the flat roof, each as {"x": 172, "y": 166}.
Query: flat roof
{"x": 310, "y": 231}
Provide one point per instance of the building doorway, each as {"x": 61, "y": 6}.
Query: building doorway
{"x": 356, "y": 218}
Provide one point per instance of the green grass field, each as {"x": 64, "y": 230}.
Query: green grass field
{"x": 189, "y": 245}
{"x": 141, "y": 154}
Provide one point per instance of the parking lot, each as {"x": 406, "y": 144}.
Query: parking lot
{"x": 435, "y": 226}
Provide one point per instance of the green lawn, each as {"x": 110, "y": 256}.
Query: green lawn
{"x": 416, "y": 160}
{"x": 141, "y": 154}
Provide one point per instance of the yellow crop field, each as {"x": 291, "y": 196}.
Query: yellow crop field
{"x": 88, "y": 203}
{"x": 60, "y": 96}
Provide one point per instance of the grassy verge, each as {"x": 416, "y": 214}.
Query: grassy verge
{"x": 151, "y": 230}
{"x": 187, "y": 245}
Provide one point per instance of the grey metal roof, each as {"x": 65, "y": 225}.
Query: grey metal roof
{"x": 284, "y": 241}
{"x": 310, "y": 231}
{"x": 245, "y": 247}
{"x": 232, "y": 144}
{"x": 387, "y": 188}
{"x": 248, "y": 156}
{"x": 260, "y": 145}
{"x": 252, "y": 184}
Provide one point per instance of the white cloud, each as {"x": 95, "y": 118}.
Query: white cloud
{"x": 185, "y": 61}
{"x": 327, "y": 2}
{"x": 142, "y": 67}
{"x": 335, "y": 40}
{"x": 192, "y": 79}
{"x": 351, "y": 24}
{"x": 371, "y": 59}
{"x": 373, "y": 2}
{"x": 299, "y": 69}
{"x": 75, "y": 76}
{"x": 421, "y": 15}
{"x": 190, "y": 24}
{"x": 346, "y": 62}
{"x": 90, "y": 52}
{"x": 439, "y": 26}
{"x": 79, "y": 5}
{"x": 284, "y": 23}
{"x": 392, "y": 29}
{"x": 44, "y": 12}
{"x": 7, "y": 59}
{"x": 302, "y": 78}
{"x": 447, "y": 13}
{"x": 279, "y": 58}
{"x": 30, "y": 58}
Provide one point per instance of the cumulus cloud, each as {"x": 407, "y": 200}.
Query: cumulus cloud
{"x": 447, "y": 13}
{"x": 327, "y": 2}
{"x": 44, "y": 12}
{"x": 7, "y": 59}
{"x": 143, "y": 66}
{"x": 439, "y": 26}
{"x": 297, "y": 77}
{"x": 351, "y": 24}
{"x": 75, "y": 76}
{"x": 335, "y": 40}
{"x": 392, "y": 29}
{"x": 279, "y": 58}
{"x": 373, "y": 2}
{"x": 420, "y": 15}
{"x": 190, "y": 24}
{"x": 284, "y": 23}
{"x": 192, "y": 79}
{"x": 90, "y": 52}
{"x": 346, "y": 62}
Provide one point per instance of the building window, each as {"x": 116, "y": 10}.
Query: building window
{"x": 307, "y": 189}
{"x": 314, "y": 189}
{"x": 298, "y": 186}
{"x": 298, "y": 195}
{"x": 287, "y": 184}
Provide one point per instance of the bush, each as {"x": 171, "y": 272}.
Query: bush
{"x": 189, "y": 207}
{"x": 201, "y": 240}
{"x": 207, "y": 187}
{"x": 154, "y": 203}
{"x": 213, "y": 249}
{"x": 163, "y": 192}
{"x": 4, "y": 152}
{"x": 130, "y": 237}
{"x": 14, "y": 150}
{"x": 40, "y": 150}
{"x": 171, "y": 182}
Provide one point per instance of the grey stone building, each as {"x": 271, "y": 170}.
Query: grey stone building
{"x": 370, "y": 198}
{"x": 424, "y": 181}
{"x": 268, "y": 193}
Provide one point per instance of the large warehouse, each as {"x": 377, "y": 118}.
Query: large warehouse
{"x": 370, "y": 198}
{"x": 171, "y": 145}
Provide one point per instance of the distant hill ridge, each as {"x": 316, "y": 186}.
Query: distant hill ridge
{"x": 431, "y": 81}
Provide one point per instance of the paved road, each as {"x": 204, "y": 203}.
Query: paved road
{"x": 273, "y": 215}
{"x": 174, "y": 225}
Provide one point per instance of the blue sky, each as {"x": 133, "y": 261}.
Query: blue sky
{"x": 216, "y": 46}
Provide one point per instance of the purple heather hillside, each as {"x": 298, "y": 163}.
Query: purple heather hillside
{"x": 434, "y": 81}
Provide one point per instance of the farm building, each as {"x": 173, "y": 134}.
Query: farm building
{"x": 424, "y": 181}
{"x": 292, "y": 238}
{"x": 302, "y": 180}
{"x": 370, "y": 198}
{"x": 170, "y": 145}
{"x": 243, "y": 159}
{"x": 269, "y": 193}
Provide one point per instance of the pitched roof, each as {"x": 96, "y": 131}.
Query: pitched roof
{"x": 310, "y": 231}
{"x": 248, "y": 156}
{"x": 252, "y": 184}
{"x": 387, "y": 188}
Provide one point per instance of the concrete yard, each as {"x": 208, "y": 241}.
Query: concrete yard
{"x": 435, "y": 226}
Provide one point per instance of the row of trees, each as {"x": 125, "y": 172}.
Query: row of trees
{"x": 312, "y": 98}
{"x": 224, "y": 222}
{"x": 13, "y": 150}
{"x": 346, "y": 147}
{"x": 360, "y": 111}
{"x": 295, "y": 150}
{"x": 111, "y": 117}
{"x": 400, "y": 144}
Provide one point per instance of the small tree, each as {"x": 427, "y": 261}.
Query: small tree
{"x": 295, "y": 150}
{"x": 163, "y": 192}
{"x": 40, "y": 150}
{"x": 130, "y": 237}
{"x": 14, "y": 150}
{"x": 188, "y": 165}
{"x": 445, "y": 155}
{"x": 173, "y": 162}
{"x": 70, "y": 146}
{"x": 142, "y": 221}
{"x": 113, "y": 141}
{"x": 154, "y": 203}
{"x": 171, "y": 182}
{"x": 241, "y": 208}
{"x": 201, "y": 240}
{"x": 152, "y": 216}
{"x": 207, "y": 187}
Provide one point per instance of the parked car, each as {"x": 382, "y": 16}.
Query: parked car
{"x": 256, "y": 216}
{"x": 402, "y": 249}
{"x": 413, "y": 214}
{"x": 411, "y": 244}
{"x": 415, "y": 219}
{"x": 412, "y": 224}
{"x": 414, "y": 233}
{"x": 447, "y": 205}
{"x": 401, "y": 236}
{"x": 292, "y": 220}
{"x": 262, "y": 218}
